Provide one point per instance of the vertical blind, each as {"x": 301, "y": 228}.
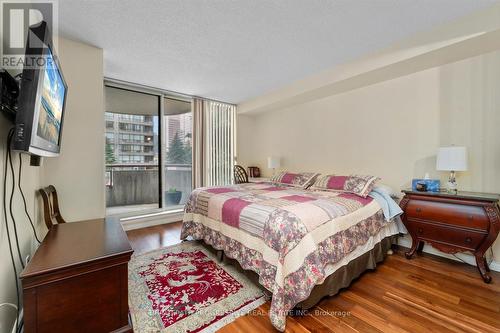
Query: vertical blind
{"x": 220, "y": 140}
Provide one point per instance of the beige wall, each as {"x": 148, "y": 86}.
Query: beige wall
{"x": 78, "y": 173}
{"x": 469, "y": 36}
{"x": 391, "y": 129}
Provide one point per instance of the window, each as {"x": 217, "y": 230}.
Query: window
{"x": 178, "y": 129}
{"x": 110, "y": 138}
{"x": 125, "y": 148}
{"x": 134, "y": 127}
{"x": 148, "y": 158}
{"x": 128, "y": 114}
{"x": 134, "y": 148}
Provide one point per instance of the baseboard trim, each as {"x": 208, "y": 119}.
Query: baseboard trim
{"x": 464, "y": 257}
{"x": 151, "y": 221}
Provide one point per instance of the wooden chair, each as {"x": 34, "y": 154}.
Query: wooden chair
{"x": 51, "y": 212}
{"x": 240, "y": 175}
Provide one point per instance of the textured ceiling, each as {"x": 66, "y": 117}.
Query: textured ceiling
{"x": 236, "y": 50}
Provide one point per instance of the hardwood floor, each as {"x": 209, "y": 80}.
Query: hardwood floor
{"x": 424, "y": 294}
{"x": 147, "y": 239}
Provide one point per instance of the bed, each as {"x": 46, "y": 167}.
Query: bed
{"x": 294, "y": 239}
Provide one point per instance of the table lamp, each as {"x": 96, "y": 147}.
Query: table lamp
{"x": 273, "y": 162}
{"x": 452, "y": 159}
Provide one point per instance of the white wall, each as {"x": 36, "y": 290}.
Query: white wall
{"x": 391, "y": 129}
{"x": 78, "y": 173}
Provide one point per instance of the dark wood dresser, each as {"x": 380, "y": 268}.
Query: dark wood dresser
{"x": 466, "y": 221}
{"x": 77, "y": 280}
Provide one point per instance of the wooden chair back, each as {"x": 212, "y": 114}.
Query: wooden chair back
{"x": 240, "y": 175}
{"x": 51, "y": 212}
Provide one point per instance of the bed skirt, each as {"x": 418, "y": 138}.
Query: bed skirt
{"x": 339, "y": 279}
{"x": 343, "y": 276}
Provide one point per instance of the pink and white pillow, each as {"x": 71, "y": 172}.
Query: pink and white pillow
{"x": 301, "y": 179}
{"x": 357, "y": 184}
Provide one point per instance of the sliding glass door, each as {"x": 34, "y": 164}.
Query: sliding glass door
{"x": 148, "y": 151}
{"x": 149, "y": 148}
{"x": 178, "y": 133}
{"x": 132, "y": 151}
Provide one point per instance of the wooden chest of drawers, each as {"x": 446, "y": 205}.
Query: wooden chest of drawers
{"x": 466, "y": 221}
{"x": 77, "y": 280}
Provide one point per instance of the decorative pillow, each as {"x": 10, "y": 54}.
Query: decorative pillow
{"x": 301, "y": 179}
{"x": 357, "y": 184}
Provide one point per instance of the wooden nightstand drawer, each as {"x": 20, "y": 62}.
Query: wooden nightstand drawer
{"x": 434, "y": 232}
{"x": 456, "y": 214}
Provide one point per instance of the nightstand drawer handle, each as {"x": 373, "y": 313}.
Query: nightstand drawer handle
{"x": 468, "y": 240}
{"x": 420, "y": 230}
{"x": 419, "y": 210}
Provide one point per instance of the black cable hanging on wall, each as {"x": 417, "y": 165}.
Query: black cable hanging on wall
{"x": 24, "y": 199}
{"x": 9, "y": 165}
{"x": 12, "y": 257}
{"x": 11, "y": 211}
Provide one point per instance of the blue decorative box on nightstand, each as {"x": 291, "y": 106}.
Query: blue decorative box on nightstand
{"x": 431, "y": 184}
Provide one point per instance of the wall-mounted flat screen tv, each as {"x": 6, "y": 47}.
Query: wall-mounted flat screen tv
{"x": 42, "y": 97}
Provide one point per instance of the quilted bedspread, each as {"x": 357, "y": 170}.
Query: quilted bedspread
{"x": 292, "y": 238}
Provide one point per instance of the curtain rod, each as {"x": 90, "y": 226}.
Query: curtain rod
{"x": 158, "y": 91}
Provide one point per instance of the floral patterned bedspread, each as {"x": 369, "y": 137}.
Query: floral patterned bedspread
{"x": 288, "y": 236}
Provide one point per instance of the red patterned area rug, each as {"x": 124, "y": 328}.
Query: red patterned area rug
{"x": 183, "y": 288}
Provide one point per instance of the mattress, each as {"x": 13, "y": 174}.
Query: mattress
{"x": 292, "y": 238}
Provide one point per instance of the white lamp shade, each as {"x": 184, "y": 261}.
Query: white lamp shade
{"x": 273, "y": 162}
{"x": 452, "y": 159}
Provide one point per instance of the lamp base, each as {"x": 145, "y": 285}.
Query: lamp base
{"x": 451, "y": 185}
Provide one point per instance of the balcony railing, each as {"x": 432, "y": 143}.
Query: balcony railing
{"x": 133, "y": 131}
{"x": 136, "y": 152}
{"x": 132, "y": 142}
{"x": 135, "y": 121}
{"x": 138, "y": 183}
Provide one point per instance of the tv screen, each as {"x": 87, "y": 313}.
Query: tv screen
{"x": 52, "y": 102}
{"x": 42, "y": 98}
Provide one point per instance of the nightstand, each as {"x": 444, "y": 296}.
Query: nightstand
{"x": 466, "y": 221}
